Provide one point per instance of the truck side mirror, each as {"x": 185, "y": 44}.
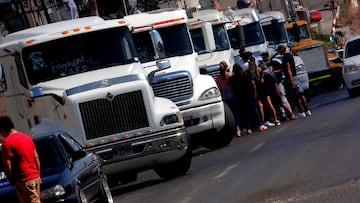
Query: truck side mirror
{"x": 241, "y": 36}
{"x": 277, "y": 29}
{"x": 159, "y": 54}
{"x": 296, "y": 31}
{"x": 157, "y": 44}
{"x": 162, "y": 64}
{"x": 207, "y": 30}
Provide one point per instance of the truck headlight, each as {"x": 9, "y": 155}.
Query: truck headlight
{"x": 55, "y": 191}
{"x": 210, "y": 93}
{"x": 351, "y": 68}
{"x": 170, "y": 119}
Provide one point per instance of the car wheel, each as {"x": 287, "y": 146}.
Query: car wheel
{"x": 177, "y": 168}
{"x": 225, "y": 135}
{"x": 105, "y": 190}
{"x": 81, "y": 197}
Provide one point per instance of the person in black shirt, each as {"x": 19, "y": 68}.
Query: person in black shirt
{"x": 294, "y": 91}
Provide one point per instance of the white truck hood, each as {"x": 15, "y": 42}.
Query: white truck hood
{"x": 178, "y": 63}
{"x": 216, "y": 57}
{"x": 102, "y": 76}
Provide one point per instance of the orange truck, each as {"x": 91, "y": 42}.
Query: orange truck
{"x": 313, "y": 53}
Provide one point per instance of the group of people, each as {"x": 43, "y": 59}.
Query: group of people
{"x": 261, "y": 93}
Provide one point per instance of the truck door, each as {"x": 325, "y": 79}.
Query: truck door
{"x": 16, "y": 92}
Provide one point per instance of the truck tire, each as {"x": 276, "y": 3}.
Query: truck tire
{"x": 177, "y": 168}
{"x": 225, "y": 135}
{"x": 105, "y": 190}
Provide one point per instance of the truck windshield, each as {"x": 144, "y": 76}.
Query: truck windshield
{"x": 78, "y": 54}
{"x": 220, "y": 36}
{"x": 198, "y": 40}
{"x": 253, "y": 35}
{"x": 176, "y": 42}
{"x": 272, "y": 36}
{"x": 303, "y": 32}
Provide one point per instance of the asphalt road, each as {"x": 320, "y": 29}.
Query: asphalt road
{"x": 313, "y": 159}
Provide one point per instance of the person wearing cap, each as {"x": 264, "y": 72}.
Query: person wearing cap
{"x": 278, "y": 95}
{"x": 293, "y": 89}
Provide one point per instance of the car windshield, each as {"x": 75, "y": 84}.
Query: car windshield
{"x": 51, "y": 157}
{"x": 352, "y": 48}
{"x": 272, "y": 36}
{"x": 78, "y": 54}
{"x": 176, "y": 42}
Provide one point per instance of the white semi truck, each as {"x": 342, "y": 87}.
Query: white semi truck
{"x": 245, "y": 31}
{"x": 208, "y": 120}
{"x": 208, "y": 59}
{"x": 83, "y": 77}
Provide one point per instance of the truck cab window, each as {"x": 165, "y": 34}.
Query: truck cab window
{"x": 21, "y": 72}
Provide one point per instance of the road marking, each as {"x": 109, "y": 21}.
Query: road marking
{"x": 226, "y": 171}
{"x": 257, "y": 147}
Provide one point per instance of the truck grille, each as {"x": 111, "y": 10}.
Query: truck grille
{"x": 103, "y": 117}
{"x": 176, "y": 87}
{"x": 314, "y": 58}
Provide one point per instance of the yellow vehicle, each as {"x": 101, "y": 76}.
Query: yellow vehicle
{"x": 313, "y": 53}
{"x": 336, "y": 64}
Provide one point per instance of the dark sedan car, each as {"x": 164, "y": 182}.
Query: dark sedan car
{"x": 68, "y": 173}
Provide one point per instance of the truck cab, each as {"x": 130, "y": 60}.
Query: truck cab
{"x": 83, "y": 77}
{"x": 245, "y": 31}
{"x": 207, "y": 119}
{"x": 307, "y": 48}
{"x": 209, "y": 56}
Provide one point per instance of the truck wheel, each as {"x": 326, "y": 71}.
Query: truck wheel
{"x": 105, "y": 190}
{"x": 177, "y": 168}
{"x": 81, "y": 197}
{"x": 225, "y": 135}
